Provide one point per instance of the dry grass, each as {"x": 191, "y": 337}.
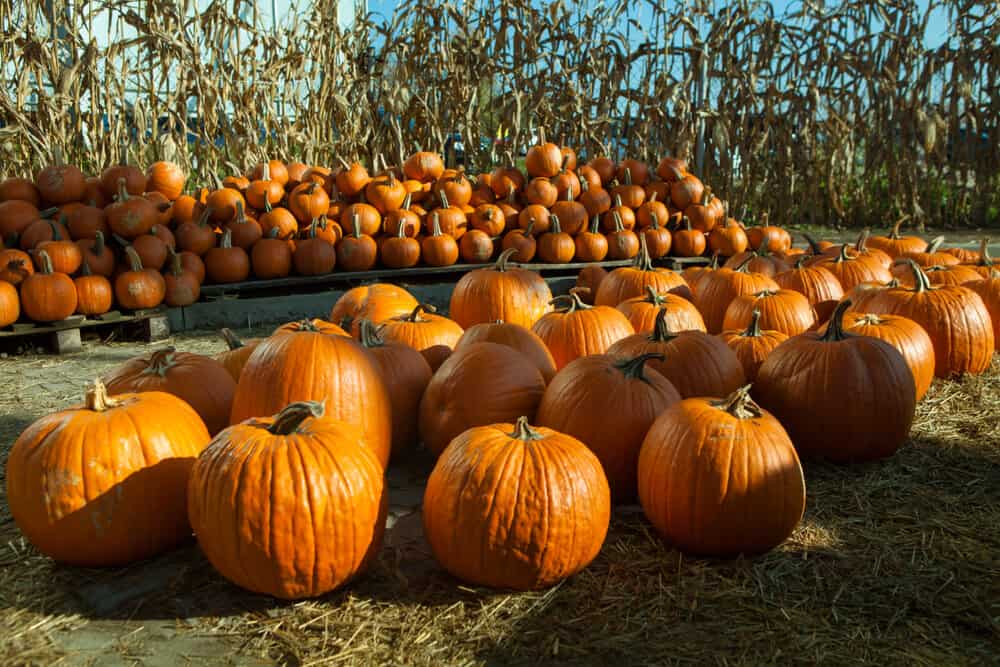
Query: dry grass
{"x": 835, "y": 113}
{"x": 894, "y": 563}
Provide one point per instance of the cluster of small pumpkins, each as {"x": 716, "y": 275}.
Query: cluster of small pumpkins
{"x": 695, "y": 393}
{"x": 76, "y": 244}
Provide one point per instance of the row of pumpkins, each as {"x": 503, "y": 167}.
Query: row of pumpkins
{"x": 694, "y": 393}
{"x": 132, "y": 238}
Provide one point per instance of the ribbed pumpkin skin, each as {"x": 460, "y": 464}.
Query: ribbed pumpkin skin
{"x": 847, "y": 399}
{"x": 607, "y": 406}
{"x": 516, "y": 514}
{"x": 350, "y": 303}
{"x": 783, "y": 310}
{"x": 421, "y": 330}
{"x": 201, "y": 381}
{"x": 903, "y": 334}
{"x": 752, "y": 350}
{"x": 715, "y": 484}
{"x": 10, "y": 304}
{"x": 106, "y": 488}
{"x": 954, "y": 317}
{"x": 681, "y": 313}
{"x": 581, "y": 331}
{"x": 630, "y": 282}
{"x": 478, "y": 385}
{"x": 718, "y": 289}
{"x": 696, "y": 363}
{"x": 311, "y": 366}
{"x": 820, "y": 287}
{"x": 500, "y": 293}
{"x": 989, "y": 291}
{"x": 515, "y": 336}
{"x": 293, "y": 516}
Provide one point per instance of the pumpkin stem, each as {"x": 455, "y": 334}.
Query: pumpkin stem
{"x": 265, "y": 171}
{"x": 160, "y": 362}
{"x": 628, "y": 176}
{"x": 572, "y": 300}
{"x": 501, "y": 264}
{"x": 619, "y": 225}
{"x": 522, "y": 431}
{"x": 843, "y": 256}
{"x": 921, "y": 283}
{"x": 653, "y": 297}
{"x": 764, "y": 249}
{"x": 813, "y": 244}
{"x": 122, "y": 191}
{"x": 661, "y": 331}
{"x": 861, "y": 245}
{"x": 595, "y": 225}
{"x": 414, "y": 315}
{"x": 739, "y": 404}
{"x": 175, "y": 262}
{"x": 203, "y": 218}
{"x": 654, "y": 219}
{"x": 444, "y": 199}
{"x": 984, "y": 253}
{"x": 45, "y": 261}
{"x": 934, "y": 244}
{"x": 686, "y": 222}
{"x": 894, "y": 232}
{"x": 835, "y": 329}
{"x": 369, "y": 334}
{"x": 435, "y": 224}
{"x": 800, "y": 261}
{"x": 227, "y": 239}
{"x": 554, "y": 222}
{"x": 288, "y": 420}
{"x": 753, "y": 329}
{"x": 134, "y": 262}
{"x": 633, "y": 368}
{"x": 714, "y": 264}
{"x": 642, "y": 261}
{"x": 96, "y": 397}
{"x": 85, "y": 267}
{"x": 356, "y": 223}
{"x": 231, "y": 339}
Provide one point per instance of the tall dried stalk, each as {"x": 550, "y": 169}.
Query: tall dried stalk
{"x": 836, "y": 113}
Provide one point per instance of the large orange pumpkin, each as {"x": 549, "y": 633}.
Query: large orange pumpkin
{"x": 841, "y": 396}
{"x": 752, "y": 345}
{"x": 523, "y": 340}
{"x": 629, "y": 282}
{"x": 510, "y": 506}
{"x": 608, "y": 404}
{"x": 200, "y": 381}
{"x": 719, "y": 477}
{"x": 642, "y": 311}
{"x": 314, "y": 366}
{"x": 421, "y": 328}
{"x": 578, "y": 329}
{"x": 989, "y": 291}
{"x": 292, "y": 505}
{"x": 375, "y": 302}
{"x": 784, "y": 310}
{"x": 820, "y": 287}
{"x": 105, "y": 483}
{"x": 502, "y": 292}
{"x": 479, "y": 384}
{"x": 406, "y": 374}
{"x": 718, "y": 288}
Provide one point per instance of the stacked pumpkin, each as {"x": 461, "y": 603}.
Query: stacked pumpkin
{"x": 76, "y": 244}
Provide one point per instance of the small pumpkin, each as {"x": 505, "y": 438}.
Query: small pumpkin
{"x": 752, "y": 345}
{"x": 689, "y": 242}
{"x": 622, "y": 243}
{"x": 494, "y": 472}
{"x": 591, "y": 245}
{"x": 258, "y": 469}
{"x": 522, "y": 241}
{"x": 420, "y": 328}
{"x": 105, "y": 483}
{"x": 720, "y": 477}
{"x": 895, "y": 245}
{"x": 10, "y": 304}
{"x": 65, "y": 255}
{"x": 182, "y": 286}
{"x": 226, "y": 263}
{"x": 264, "y": 190}
{"x": 166, "y": 178}
{"x": 641, "y": 311}
{"x": 438, "y": 248}
{"x": 47, "y": 296}
{"x": 556, "y": 246}
{"x": 576, "y": 330}
{"x": 131, "y": 216}
{"x": 475, "y": 247}
{"x": 314, "y": 255}
{"x": 402, "y": 251}
{"x": 544, "y": 159}
{"x": 94, "y": 294}
{"x": 377, "y": 300}
{"x": 139, "y": 288}
{"x": 588, "y": 281}
{"x": 356, "y": 251}
{"x": 60, "y": 183}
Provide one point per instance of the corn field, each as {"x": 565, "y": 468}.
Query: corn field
{"x": 830, "y": 114}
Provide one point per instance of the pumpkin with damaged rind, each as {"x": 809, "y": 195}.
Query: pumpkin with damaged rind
{"x": 867, "y": 380}
{"x": 608, "y": 404}
{"x": 578, "y": 329}
{"x": 720, "y": 477}
{"x": 200, "y": 381}
{"x": 955, "y": 318}
{"x": 478, "y": 385}
{"x": 314, "y": 366}
{"x": 105, "y": 483}
{"x": 523, "y": 340}
{"x": 697, "y": 363}
{"x": 487, "y": 476}
{"x": 330, "y": 489}
{"x": 501, "y": 292}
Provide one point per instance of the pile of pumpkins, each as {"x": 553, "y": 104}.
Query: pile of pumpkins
{"x": 132, "y": 239}
{"x": 694, "y": 393}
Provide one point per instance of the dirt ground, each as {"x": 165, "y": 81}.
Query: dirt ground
{"x": 896, "y": 562}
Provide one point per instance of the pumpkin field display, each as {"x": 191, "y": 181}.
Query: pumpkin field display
{"x": 955, "y": 318}
{"x": 313, "y": 366}
{"x": 488, "y": 476}
{"x": 576, "y": 329}
{"x": 696, "y": 363}
{"x": 608, "y": 404}
{"x": 502, "y": 292}
{"x": 405, "y": 373}
{"x": 105, "y": 483}
{"x": 292, "y": 505}
{"x": 515, "y": 336}
{"x": 720, "y": 477}
{"x": 479, "y": 384}
{"x": 842, "y": 397}
{"x": 202, "y": 382}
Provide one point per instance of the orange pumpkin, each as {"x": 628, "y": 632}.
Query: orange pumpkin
{"x": 752, "y": 345}
{"x": 577, "y": 329}
{"x": 501, "y": 292}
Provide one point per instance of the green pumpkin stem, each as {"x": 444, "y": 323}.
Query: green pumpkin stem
{"x": 522, "y": 431}
{"x": 633, "y": 368}
{"x": 653, "y": 297}
{"x": 739, "y": 404}
{"x": 288, "y": 420}
{"x": 414, "y": 315}
{"x": 642, "y": 261}
{"x": 369, "y": 334}
{"x": 753, "y": 329}
{"x": 921, "y": 283}
{"x": 835, "y": 329}
{"x": 572, "y": 300}
{"x": 96, "y": 397}
{"x": 160, "y": 362}
{"x": 661, "y": 331}
{"x": 231, "y": 339}
{"x": 134, "y": 262}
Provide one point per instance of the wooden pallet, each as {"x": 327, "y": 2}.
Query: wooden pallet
{"x": 449, "y": 273}
{"x": 66, "y": 336}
